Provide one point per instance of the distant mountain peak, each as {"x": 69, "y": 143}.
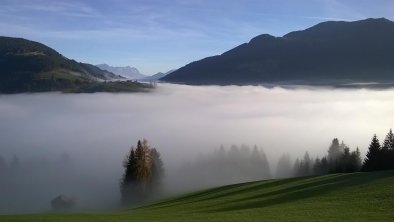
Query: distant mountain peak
{"x": 263, "y": 37}
{"x": 126, "y": 71}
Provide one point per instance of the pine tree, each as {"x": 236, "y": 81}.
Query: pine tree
{"x": 344, "y": 161}
{"x": 157, "y": 170}
{"x": 372, "y": 160}
{"x": 355, "y": 161}
{"x": 320, "y": 166}
{"x": 264, "y": 166}
{"x": 283, "y": 169}
{"x": 129, "y": 181}
{"x": 388, "y": 142}
{"x": 324, "y": 165}
{"x": 297, "y": 167}
{"x": 387, "y": 151}
{"x": 335, "y": 152}
{"x": 3, "y": 166}
{"x": 306, "y": 165}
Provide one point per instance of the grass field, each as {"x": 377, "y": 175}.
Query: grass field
{"x": 335, "y": 197}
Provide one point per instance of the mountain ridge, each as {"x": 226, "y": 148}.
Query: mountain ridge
{"x": 333, "y": 51}
{"x": 29, "y": 66}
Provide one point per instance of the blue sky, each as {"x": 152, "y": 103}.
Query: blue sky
{"x": 158, "y": 36}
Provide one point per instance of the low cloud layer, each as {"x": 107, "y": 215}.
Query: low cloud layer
{"x": 95, "y": 131}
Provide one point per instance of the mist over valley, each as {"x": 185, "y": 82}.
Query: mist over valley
{"x": 74, "y": 144}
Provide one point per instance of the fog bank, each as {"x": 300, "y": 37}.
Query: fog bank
{"x": 96, "y": 131}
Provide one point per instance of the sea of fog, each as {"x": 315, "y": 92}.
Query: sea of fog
{"x": 74, "y": 144}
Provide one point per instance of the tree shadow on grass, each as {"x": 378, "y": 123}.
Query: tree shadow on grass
{"x": 256, "y": 186}
{"x": 317, "y": 187}
{"x": 194, "y": 197}
{"x": 219, "y": 192}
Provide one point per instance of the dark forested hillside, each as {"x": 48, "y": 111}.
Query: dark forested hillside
{"x": 28, "y": 66}
{"x": 330, "y": 52}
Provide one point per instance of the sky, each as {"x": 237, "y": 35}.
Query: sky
{"x": 157, "y": 36}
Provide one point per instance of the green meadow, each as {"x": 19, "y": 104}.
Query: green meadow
{"x": 334, "y": 197}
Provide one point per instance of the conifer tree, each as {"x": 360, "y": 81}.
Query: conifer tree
{"x": 355, "y": 161}
{"x": 388, "y": 142}
{"x": 157, "y": 170}
{"x": 3, "y": 165}
{"x": 317, "y": 166}
{"x": 335, "y": 152}
{"x": 387, "y": 152}
{"x": 372, "y": 160}
{"x": 297, "y": 168}
{"x": 129, "y": 180}
{"x": 283, "y": 169}
{"x": 324, "y": 168}
{"x": 306, "y": 165}
{"x": 143, "y": 172}
{"x": 320, "y": 166}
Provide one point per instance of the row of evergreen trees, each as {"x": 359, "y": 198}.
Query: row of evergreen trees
{"x": 143, "y": 173}
{"x": 339, "y": 159}
{"x": 380, "y": 156}
{"x": 144, "y": 168}
{"x": 226, "y": 165}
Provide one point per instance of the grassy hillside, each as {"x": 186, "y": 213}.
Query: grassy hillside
{"x": 336, "y": 197}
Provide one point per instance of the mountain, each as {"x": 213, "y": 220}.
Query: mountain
{"x": 157, "y": 76}
{"x": 28, "y": 66}
{"x": 329, "y": 52}
{"x": 127, "y": 71}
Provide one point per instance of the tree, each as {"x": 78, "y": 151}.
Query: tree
{"x": 143, "y": 173}
{"x": 3, "y": 165}
{"x": 372, "y": 160}
{"x": 316, "y": 166}
{"x": 306, "y": 164}
{"x": 157, "y": 170}
{"x": 387, "y": 151}
{"x": 350, "y": 161}
{"x": 324, "y": 165}
{"x": 355, "y": 161}
{"x": 344, "y": 161}
{"x": 129, "y": 180}
{"x": 296, "y": 167}
{"x": 335, "y": 152}
{"x": 256, "y": 164}
{"x": 283, "y": 169}
{"x": 303, "y": 167}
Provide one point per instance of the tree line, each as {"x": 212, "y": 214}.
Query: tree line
{"x": 380, "y": 156}
{"x": 339, "y": 159}
{"x": 224, "y": 165}
{"x": 144, "y": 167}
